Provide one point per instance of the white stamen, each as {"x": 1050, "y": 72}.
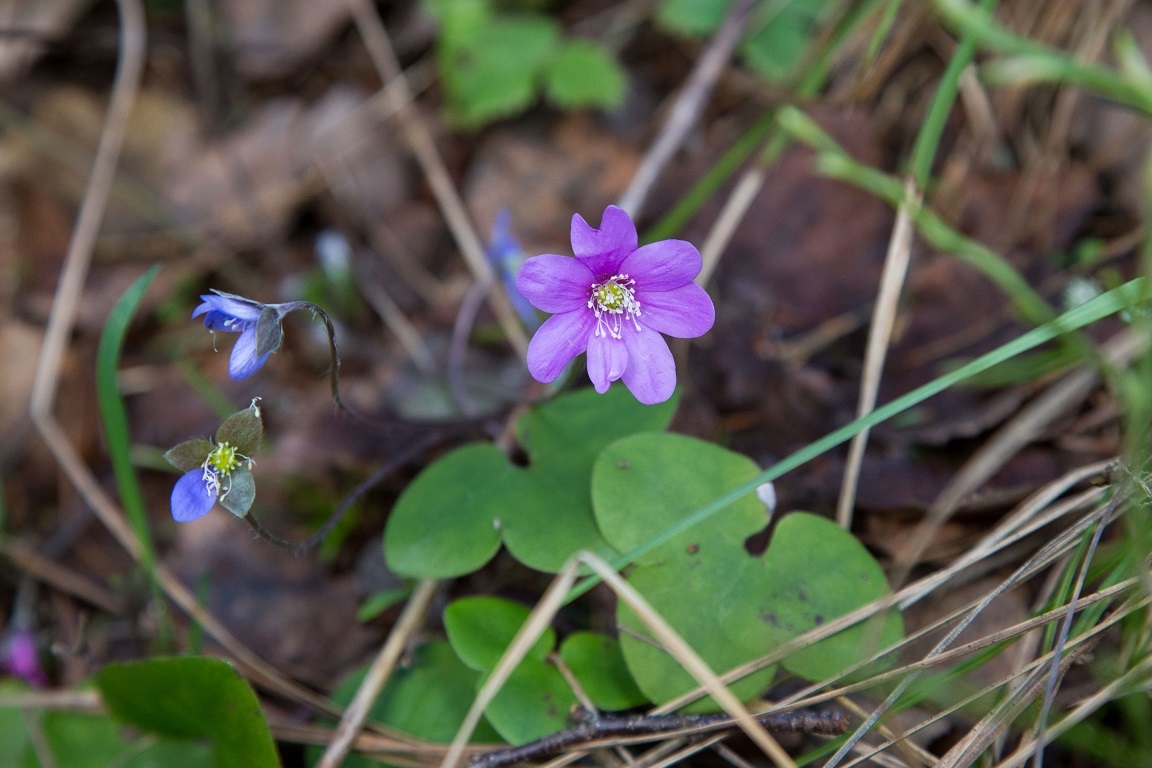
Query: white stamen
{"x": 614, "y": 302}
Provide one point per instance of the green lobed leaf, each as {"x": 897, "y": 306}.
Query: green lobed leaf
{"x": 189, "y": 454}
{"x": 729, "y": 605}
{"x": 452, "y": 517}
{"x": 241, "y": 492}
{"x": 584, "y": 74}
{"x": 242, "y": 430}
{"x": 480, "y": 629}
{"x": 598, "y": 665}
{"x": 193, "y": 698}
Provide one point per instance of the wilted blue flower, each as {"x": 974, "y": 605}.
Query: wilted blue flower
{"x": 506, "y": 255}
{"x": 614, "y": 300}
{"x": 258, "y": 325}
{"x": 219, "y": 470}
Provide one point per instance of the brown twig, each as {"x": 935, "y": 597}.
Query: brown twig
{"x": 589, "y": 727}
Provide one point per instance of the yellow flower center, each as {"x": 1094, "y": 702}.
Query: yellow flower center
{"x": 224, "y": 459}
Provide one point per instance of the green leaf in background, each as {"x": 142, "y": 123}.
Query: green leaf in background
{"x": 692, "y": 17}
{"x": 775, "y": 39}
{"x": 458, "y": 20}
{"x": 779, "y": 34}
{"x": 598, "y": 665}
{"x": 496, "y": 73}
{"x": 451, "y": 519}
{"x": 481, "y": 628}
{"x": 729, "y": 605}
{"x": 584, "y": 74}
{"x": 192, "y": 698}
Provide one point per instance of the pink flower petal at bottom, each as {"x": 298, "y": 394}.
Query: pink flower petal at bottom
{"x": 557, "y": 341}
{"x": 607, "y": 360}
{"x": 651, "y": 371}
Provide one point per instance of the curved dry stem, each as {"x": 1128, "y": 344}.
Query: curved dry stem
{"x": 879, "y": 337}
{"x": 382, "y": 666}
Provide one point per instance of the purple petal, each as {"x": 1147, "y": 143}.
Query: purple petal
{"x": 558, "y": 340}
{"x": 685, "y": 312}
{"x": 191, "y": 498}
{"x": 651, "y": 371}
{"x": 663, "y": 266}
{"x": 244, "y": 361}
{"x": 238, "y": 308}
{"x": 607, "y": 359}
{"x": 555, "y": 283}
{"x": 602, "y": 250}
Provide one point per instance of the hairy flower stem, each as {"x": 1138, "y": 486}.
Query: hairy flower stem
{"x": 409, "y": 452}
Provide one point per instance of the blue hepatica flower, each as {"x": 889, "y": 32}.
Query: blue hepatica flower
{"x": 236, "y": 314}
{"x": 219, "y": 469}
{"x": 506, "y": 255}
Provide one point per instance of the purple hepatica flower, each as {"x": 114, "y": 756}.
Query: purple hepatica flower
{"x": 614, "y": 300}
{"x": 236, "y": 314}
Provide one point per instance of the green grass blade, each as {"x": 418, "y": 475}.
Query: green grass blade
{"x": 115, "y": 419}
{"x": 932, "y": 128}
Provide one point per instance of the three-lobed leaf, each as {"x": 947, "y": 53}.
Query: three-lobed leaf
{"x": 452, "y": 518}
{"x": 731, "y": 606}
